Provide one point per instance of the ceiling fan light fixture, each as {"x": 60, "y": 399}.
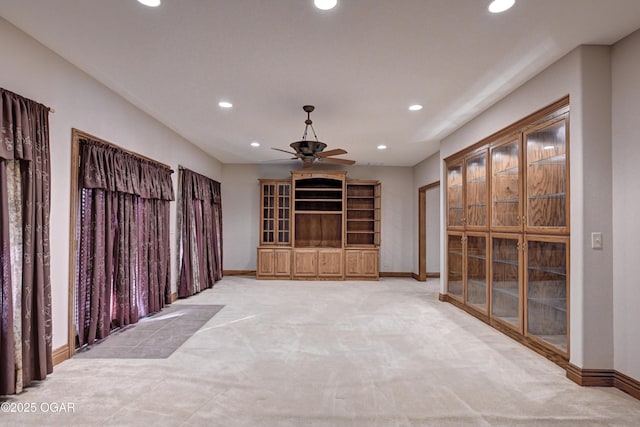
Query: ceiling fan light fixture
{"x": 325, "y": 4}
{"x": 150, "y": 3}
{"x": 499, "y": 6}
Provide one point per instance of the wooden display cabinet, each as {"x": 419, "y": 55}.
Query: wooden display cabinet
{"x": 508, "y": 235}
{"x": 319, "y": 226}
{"x": 274, "y": 252}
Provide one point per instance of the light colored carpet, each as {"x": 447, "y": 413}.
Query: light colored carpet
{"x": 328, "y": 354}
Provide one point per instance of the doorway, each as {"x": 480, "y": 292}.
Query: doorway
{"x": 429, "y": 231}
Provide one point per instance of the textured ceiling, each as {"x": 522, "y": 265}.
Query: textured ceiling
{"x": 361, "y": 64}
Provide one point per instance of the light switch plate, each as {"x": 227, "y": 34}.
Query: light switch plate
{"x": 596, "y": 240}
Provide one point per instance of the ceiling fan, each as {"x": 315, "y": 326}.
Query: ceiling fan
{"x": 309, "y": 151}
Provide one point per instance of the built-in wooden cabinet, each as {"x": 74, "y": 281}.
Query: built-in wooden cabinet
{"x": 330, "y": 227}
{"x": 274, "y": 252}
{"x": 508, "y": 230}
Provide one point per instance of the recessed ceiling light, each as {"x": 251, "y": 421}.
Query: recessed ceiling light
{"x": 415, "y": 107}
{"x": 255, "y": 144}
{"x": 150, "y": 3}
{"x": 225, "y": 104}
{"x": 498, "y": 6}
{"x": 382, "y": 147}
{"x": 325, "y": 4}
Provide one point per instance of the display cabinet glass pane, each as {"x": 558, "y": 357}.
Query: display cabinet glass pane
{"x": 477, "y": 271}
{"x": 547, "y": 176}
{"x": 505, "y": 185}
{"x": 454, "y": 266}
{"x": 505, "y": 291}
{"x": 454, "y": 196}
{"x": 477, "y": 191}
{"x": 547, "y": 292}
{"x": 284, "y": 208}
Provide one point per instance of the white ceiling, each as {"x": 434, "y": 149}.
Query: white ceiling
{"x": 361, "y": 64}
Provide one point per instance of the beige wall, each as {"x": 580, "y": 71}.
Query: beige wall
{"x": 81, "y": 102}
{"x": 240, "y": 205}
{"x": 626, "y": 204}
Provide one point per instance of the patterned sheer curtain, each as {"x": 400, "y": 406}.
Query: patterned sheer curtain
{"x": 123, "y": 252}
{"x": 25, "y": 294}
{"x": 200, "y": 215}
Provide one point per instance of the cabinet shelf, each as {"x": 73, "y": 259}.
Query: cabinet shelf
{"x": 481, "y": 257}
{"x": 481, "y": 180}
{"x": 455, "y": 186}
{"x": 316, "y": 212}
{"x": 514, "y": 200}
{"x": 558, "y": 159}
{"x": 511, "y": 292}
{"x": 560, "y": 271}
{"x": 476, "y": 205}
{"x": 505, "y": 261}
{"x": 303, "y": 199}
{"x": 455, "y": 207}
{"x": 507, "y": 171}
{"x": 557, "y": 303}
{"x": 360, "y": 220}
{"x": 360, "y": 232}
{"x": 548, "y": 196}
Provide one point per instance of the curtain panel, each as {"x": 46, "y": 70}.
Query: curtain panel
{"x": 25, "y": 294}
{"x": 200, "y": 214}
{"x": 123, "y": 255}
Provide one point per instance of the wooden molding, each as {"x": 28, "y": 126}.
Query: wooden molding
{"x": 174, "y": 297}
{"x": 604, "y": 378}
{"x": 590, "y": 377}
{"x": 238, "y": 272}
{"x": 417, "y": 277}
{"x": 443, "y": 297}
{"x": 627, "y": 384}
{"x": 435, "y": 275}
{"x": 395, "y": 274}
{"x": 60, "y": 354}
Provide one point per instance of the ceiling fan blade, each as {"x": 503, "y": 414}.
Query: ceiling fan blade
{"x": 335, "y": 152}
{"x": 340, "y": 161}
{"x": 285, "y": 151}
{"x": 307, "y": 164}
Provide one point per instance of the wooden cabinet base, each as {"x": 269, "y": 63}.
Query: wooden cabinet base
{"x": 274, "y": 263}
{"x": 361, "y": 264}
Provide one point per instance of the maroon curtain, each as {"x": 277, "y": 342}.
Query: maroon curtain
{"x": 25, "y": 298}
{"x": 200, "y": 233}
{"x": 123, "y": 256}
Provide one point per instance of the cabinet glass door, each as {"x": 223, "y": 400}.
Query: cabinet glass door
{"x": 454, "y": 265}
{"x": 547, "y": 292}
{"x": 477, "y": 269}
{"x": 546, "y": 188}
{"x": 505, "y": 186}
{"x": 476, "y": 192}
{"x": 284, "y": 213}
{"x": 268, "y": 213}
{"x": 454, "y": 196}
{"x": 505, "y": 283}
